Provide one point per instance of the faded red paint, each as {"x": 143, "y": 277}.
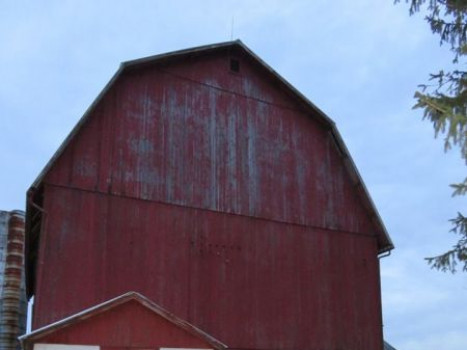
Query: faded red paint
{"x": 127, "y": 326}
{"x": 160, "y": 137}
{"x": 217, "y": 195}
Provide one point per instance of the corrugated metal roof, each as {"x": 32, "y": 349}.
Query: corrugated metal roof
{"x": 385, "y": 242}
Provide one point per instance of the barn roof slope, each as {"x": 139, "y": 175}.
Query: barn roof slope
{"x": 384, "y": 241}
{"x": 388, "y": 346}
{"x": 112, "y": 303}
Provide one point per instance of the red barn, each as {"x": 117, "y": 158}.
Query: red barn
{"x": 204, "y": 181}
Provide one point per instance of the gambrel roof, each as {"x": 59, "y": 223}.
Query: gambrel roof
{"x": 384, "y": 241}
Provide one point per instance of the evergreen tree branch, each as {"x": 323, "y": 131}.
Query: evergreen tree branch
{"x": 448, "y": 262}
{"x": 444, "y": 104}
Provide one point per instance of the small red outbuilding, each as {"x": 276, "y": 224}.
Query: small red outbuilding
{"x": 128, "y": 321}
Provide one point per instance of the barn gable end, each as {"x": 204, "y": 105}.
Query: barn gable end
{"x": 190, "y": 131}
{"x": 128, "y": 321}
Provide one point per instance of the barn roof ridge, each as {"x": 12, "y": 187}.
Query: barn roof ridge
{"x": 115, "y": 302}
{"x": 386, "y": 242}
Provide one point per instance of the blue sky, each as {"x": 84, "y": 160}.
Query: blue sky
{"x": 359, "y": 61}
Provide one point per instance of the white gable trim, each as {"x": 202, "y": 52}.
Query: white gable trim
{"x": 65, "y": 347}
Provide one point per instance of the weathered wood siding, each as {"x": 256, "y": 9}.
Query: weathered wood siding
{"x": 217, "y": 196}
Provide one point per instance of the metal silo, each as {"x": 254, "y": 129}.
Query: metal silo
{"x": 13, "y": 303}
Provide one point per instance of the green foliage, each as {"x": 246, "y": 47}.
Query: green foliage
{"x": 447, "y": 18}
{"x": 444, "y": 104}
{"x": 449, "y": 260}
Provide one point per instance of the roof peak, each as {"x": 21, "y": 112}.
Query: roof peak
{"x": 189, "y": 51}
{"x": 385, "y": 242}
{"x": 115, "y": 302}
